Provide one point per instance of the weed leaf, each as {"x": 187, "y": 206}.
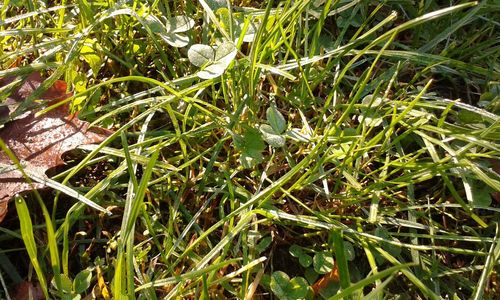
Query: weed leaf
{"x": 270, "y": 136}
{"x": 82, "y": 281}
{"x": 169, "y": 32}
{"x": 285, "y": 289}
{"x": 276, "y": 119}
{"x": 214, "y": 61}
{"x": 251, "y": 147}
{"x": 237, "y": 25}
{"x": 216, "y": 4}
{"x": 199, "y": 54}
{"x": 90, "y": 53}
{"x": 481, "y": 194}
{"x": 323, "y": 262}
{"x": 225, "y": 53}
{"x": 175, "y": 40}
{"x": 179, "y": 24}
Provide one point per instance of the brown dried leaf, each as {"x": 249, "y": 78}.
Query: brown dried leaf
{"x": 27, "y": 290}
{"x": 332, "y": 276}
{"x": 39, "y": 142}
{"x": 26, "y": 88}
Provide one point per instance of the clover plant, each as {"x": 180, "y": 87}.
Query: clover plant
{"x": 171, "y": 29}
{"x": 213, "y": 60}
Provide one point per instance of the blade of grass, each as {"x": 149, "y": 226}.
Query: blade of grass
{"x": 29, "y": 241}
{"x": 338, "y": 244}
{"x": 362, "y": 283}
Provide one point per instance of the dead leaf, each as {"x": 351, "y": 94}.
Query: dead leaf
{"x": 26, "y": 88}
{"x": 101, "y": 284}
{"x": 332, "y": 276}
{"x": 28, "y": 291}
{"x": 39, "y": 142}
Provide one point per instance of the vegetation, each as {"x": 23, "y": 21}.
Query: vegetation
{"x": 315, "y": 149}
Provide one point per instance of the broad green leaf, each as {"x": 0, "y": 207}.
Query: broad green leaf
{"x": 175, "y": 40}
{"x": 214, "y": 70}
{"x": 249, "y": 34}
{"x": 237, "y": 25}
{"x": 311, "y": 275}
{"x": 225, "y": 17}
{"x": 295, "y": 250}
{"x": 273, "y": 139}
{"x": 154, "y": 24}
{"x": 370, "y": 117}
{"x": 82, "y": 281}
{"x": 216, "y": 4}
{"x": 392, "y": 249}
{"x": 275, "y": 119}
{"x": 79, "y": 82}
{"x": 225, "y": 53}
{"x": 169, "y": 31}
{"x": 251, "y": 146}
{"x": 71, "y": 297}
{"x": 469, "y": 117}
{"x": 343, "y": 21}
{"x": 179, "y": 24}
{"x": 66, "y": 283}
{"x": 199, "y": 54}
{"x": 305, "y": 260}
{"x": 368, "y": 113}
{"x": 280, "y": 284}
{"x": 286, "y": 289}
{"x": 349, "y": 251}
{"x": 213, "y": 60}
{"x": 299, "y": 288}
{"x": 90, "y": 53}
{"x": 323, "y": 262}
{"x": 263, "y": 244}
{"x": 481, "y": 194}
{"x": 370, "y": 102}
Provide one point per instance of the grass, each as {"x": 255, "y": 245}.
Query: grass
{"x": 349, "y": 149}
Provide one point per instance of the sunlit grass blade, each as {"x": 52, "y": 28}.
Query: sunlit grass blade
{"x": 29, "y": 241}
{"x": 362, "y": 283}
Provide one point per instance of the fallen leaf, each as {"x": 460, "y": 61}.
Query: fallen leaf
{"x": 28, "y": 291}
{"x": 39, "y": 141}
{"x": 26, "y": 88}
{"x": 101, "y": 284}
{"x": 332, "y": 276}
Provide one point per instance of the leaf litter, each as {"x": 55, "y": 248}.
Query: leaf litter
{"x": 38, "y": 142}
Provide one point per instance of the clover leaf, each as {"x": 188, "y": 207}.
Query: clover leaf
{"x": 213, "y": 60}
{"x": 273, "y": 133}
{"x": 236, "y": 21}
{"x": 285, "y": 288}
{"x": 369, "y": 114}
{"x": 275, "y": 119}
{"x": 271, "y": 137}
{"x": 170, "y": 30}
{"x": 323, "y": 262}
{"x": 251, "y": 146}
{"x": 216, "y": 4}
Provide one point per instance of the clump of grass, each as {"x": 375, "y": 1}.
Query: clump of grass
{"x": 295, "y": 149}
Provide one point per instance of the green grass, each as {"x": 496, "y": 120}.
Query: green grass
{"x": 350, "y": 149}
